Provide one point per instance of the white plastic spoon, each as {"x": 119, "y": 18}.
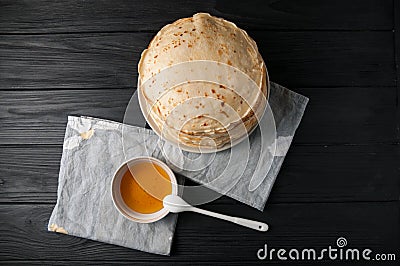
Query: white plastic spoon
{"x": 176, "y": 204}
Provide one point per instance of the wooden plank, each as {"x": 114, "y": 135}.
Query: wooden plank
{"x": 29, "y": 173}
{"x": 348, "y": 115}
{"x": 155, "y": 262}
{"x": 46, "y": 16}
{"x": 333, "y": 116}
{"x": 109, "y": 60}
{"x": 203, "y": 239}
{"x": 328, "y": 59}
{"x": 65, "y": 61}
{"x": 44, "y": 113}
{"x": 396, "y": 6}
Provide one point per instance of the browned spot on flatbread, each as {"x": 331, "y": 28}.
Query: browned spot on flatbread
{"x": 223, "y": 112}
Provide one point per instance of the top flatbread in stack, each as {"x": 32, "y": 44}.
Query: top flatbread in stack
{"x": 202, "y": 110}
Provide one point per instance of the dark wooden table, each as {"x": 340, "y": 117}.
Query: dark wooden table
{"x": 341, "y": 177}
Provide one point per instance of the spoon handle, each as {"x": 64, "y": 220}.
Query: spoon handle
{"x": 263, "y": 227}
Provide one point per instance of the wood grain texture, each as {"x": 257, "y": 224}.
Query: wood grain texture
{"x": 340, "y": 177}
{"x": 44, "y": 113}
{"x": 24, "y": 234}
{"x": 309, "y": 174}
{"x": 333, "y": 116}
{"x": 109, "y": 60}
{"x": 45, "y": 16}
{"x": 396, "y": 39}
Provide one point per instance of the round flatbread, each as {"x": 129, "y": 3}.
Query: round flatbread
{"x": 202, "y": 37}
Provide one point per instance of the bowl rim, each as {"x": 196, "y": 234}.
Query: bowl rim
{"x": 120, "y": 205}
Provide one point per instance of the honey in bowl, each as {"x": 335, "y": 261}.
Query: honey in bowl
{"x": 143, "y": 187}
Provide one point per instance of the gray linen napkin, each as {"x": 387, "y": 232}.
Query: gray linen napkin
{"x": 92, "y": 152}
{"x": 287, "y": 108}
{"x": 94, "y": 148}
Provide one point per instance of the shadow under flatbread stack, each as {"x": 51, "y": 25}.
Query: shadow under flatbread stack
{"x": 200, "y": 112}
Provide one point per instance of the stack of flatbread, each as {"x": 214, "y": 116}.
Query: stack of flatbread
{"x": 205, "y": 111}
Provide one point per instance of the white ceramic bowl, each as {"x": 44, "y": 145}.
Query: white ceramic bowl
{"x": 119, "y": 202}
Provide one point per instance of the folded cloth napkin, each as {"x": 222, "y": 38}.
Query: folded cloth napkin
{"x": 232, "y": 179}
{"x": 94, "y": 149}
{"x": 92, "y": 152}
